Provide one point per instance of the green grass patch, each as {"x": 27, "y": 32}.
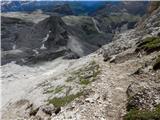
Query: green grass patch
{"x": 89, "y": 28}
{"x": 60, "y": 102}
{"x": 150, "y": 44}
{"x": 50, "y": 90}
{"x": 84, "y": 82}
{"x": 135, "y": 114}
{"x": 153, "y": 44}
{"x": 89, "y": 75}
{"x": 86, "y": 74}
{"x": 58, "y": 89}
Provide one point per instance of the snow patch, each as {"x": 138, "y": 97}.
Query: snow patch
{"x": 14, "y": 47}
{"x": 46, "y": 38}
{"x": 23, "y": 60}
{"x": 43, "y": 47}
{"x": 34, "y": 50}
{"x": 95, "y": 25}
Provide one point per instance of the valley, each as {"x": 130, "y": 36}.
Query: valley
{"x": 102, "y": 64}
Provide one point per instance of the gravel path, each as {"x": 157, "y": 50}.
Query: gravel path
{"x": 107, "y": 98}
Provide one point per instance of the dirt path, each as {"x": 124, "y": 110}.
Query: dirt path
{"x": 107, "y": 98}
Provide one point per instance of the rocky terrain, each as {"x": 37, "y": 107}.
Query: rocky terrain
{"x": 53, "y": 36}
{"x": 62, "y": 32}
{"x": 114, "y": 79}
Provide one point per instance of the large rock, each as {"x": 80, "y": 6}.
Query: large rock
{"x": 136, "y": 87}
{"x": 142, "y": 96}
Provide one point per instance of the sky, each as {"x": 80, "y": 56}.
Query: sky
{"x": 78, "y": 0}
{"x": 67, "y": 0}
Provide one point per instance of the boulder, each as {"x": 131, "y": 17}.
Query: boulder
{"x": 106, "y": 57}
{"x": 135, "y": 87}
{"x": 49, "y": 109}
{"x": 112, "y": 60}
{"x": 142, "y": 96}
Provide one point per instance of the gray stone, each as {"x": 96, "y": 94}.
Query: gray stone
{"x": 135, "y": 87}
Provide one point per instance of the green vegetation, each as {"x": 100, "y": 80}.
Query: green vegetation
{"x": 88, "y": 74}
{"x": 81, "y": 77}
{"x": 50, "y": 90}
{"x": 119, "y": 18}
{"x": 56, "y": 90}
{"x": 89, "y": 28}
{"x": 135, "y": 114}
{"x": 60, "y": 102}
{"x": 157, "y": 64}
{"x": 150, "y": 44}
{"x": 96, "y": 69}
{"x": 84, "y": 81}
{"x": 85, "y": 75}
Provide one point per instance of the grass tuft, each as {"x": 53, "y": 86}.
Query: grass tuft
{"x": 150, "y": 44}
{"x": 85, "y": 75}
{"x": 84, "y": 82}
{"x": 135, "y": 114}
{"x": 58, "y": 89}
{"x": 60, "y": 102}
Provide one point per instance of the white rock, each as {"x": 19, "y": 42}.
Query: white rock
{"x": 90, "y": 100}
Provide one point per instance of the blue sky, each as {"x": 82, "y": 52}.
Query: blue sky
{"x": 65, "y": 0}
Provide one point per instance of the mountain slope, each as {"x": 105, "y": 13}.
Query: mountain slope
{"x": 116, "y": 82}
{"x": 37, "y": 35}
{"x": 119, "y": 16}
{"x": 128, "y": 86}
{"x": 49, "y": 37}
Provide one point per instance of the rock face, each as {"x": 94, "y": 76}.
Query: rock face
{"x": 142, "y": 96}
{"x": 49, "y": 39}
{"x": 36, "y": 41}
{"x": 153, "y": 6}
{"x": 48, "y": 33}
{"x": 144, "y": 99}
{"x": 10, "y": 29}
{"x": 149, "y": 27}
{"x": 150, "y": 23}
{"x": 133, "y": 7}
{"x": 119, "y": 16}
